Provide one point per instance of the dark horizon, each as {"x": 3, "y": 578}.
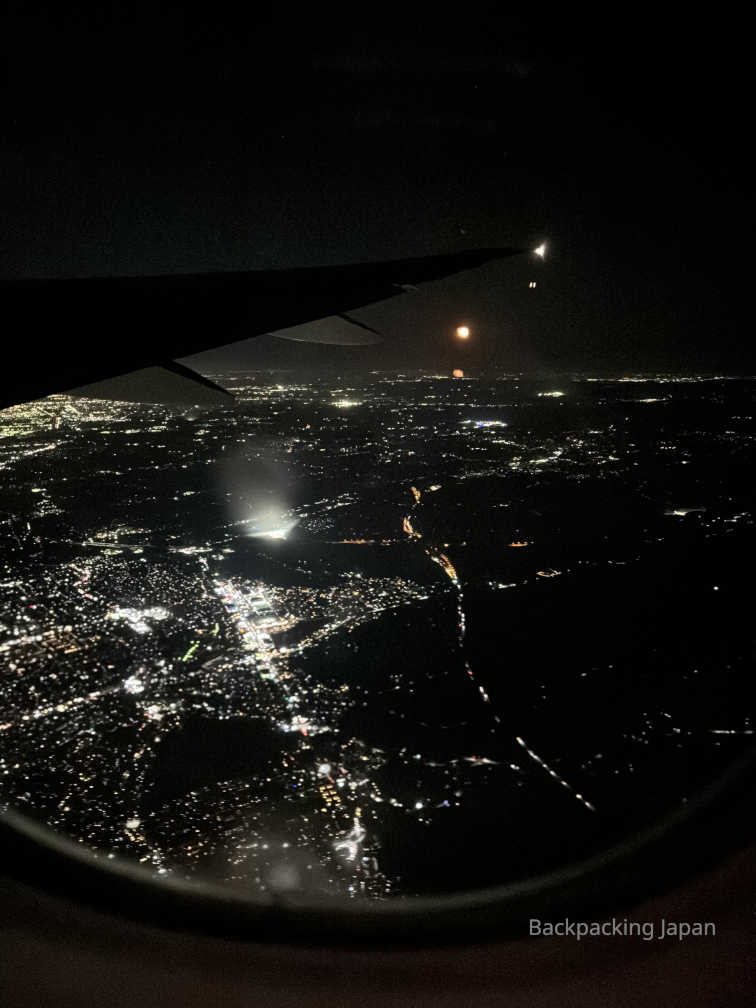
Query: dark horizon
{"x": 249, "y": 144}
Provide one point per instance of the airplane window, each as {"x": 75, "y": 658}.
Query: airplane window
{"x": 372, "y": 632}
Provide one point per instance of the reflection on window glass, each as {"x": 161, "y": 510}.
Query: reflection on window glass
{"x": 380, "y": 635}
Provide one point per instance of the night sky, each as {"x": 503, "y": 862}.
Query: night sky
{"x": 152, "y": 142}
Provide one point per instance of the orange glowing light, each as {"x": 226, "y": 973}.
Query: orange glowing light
{"x": 458, "y": 373}
{"x": 463, "y": 332}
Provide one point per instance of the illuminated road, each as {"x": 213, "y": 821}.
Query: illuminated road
{"x": 446, "y": 565}
{"x": 250, "y": 613}
{"x": 448, "y": 568}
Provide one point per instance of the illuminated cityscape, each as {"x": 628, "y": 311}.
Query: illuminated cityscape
{"x": 375, "y": 636}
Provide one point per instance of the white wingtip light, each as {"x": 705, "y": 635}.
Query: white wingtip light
{"x": 541, "y": 250}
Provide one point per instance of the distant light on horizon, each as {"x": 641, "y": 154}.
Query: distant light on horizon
{"x": 345, "y": 403}
{"x": 463, "y": 332}
{"x": 541, "y": 250}
{"x": 458, "y": 373}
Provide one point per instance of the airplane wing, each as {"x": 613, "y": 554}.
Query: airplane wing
{"x": 171, "y": 384}
{"x": 77, "y": 334}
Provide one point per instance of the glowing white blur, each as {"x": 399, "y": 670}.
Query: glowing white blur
{"x": 281, "y": 532}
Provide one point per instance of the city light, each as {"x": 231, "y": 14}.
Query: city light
{"x": 195, "y": 693}
{"x": 463, "y": 332}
